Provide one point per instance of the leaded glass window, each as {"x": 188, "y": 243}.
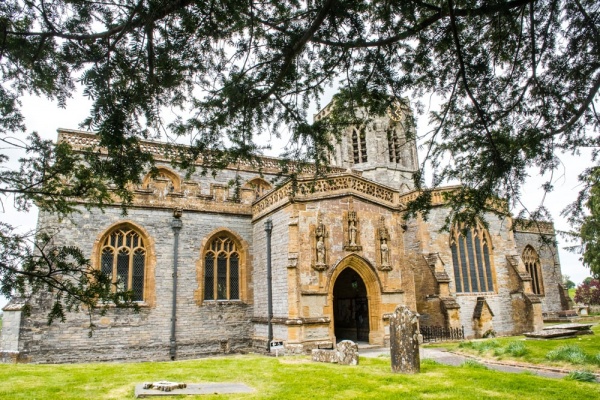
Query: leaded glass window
{"x": 222, "y": 270}
{"x": 123, "y": 259}
{"x": 471, "y": 260}
{"x": 532, "y": 264}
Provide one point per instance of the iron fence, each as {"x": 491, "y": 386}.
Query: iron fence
{"x": 440, "y": 333}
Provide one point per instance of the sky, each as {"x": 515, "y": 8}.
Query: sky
{"x": 45, "y": 117}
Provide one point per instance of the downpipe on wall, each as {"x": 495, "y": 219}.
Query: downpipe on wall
{"x": 176, "y": 225}
{"x": 268, "y": 230}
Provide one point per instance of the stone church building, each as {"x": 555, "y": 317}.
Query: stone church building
{"x": 342, "y": 258}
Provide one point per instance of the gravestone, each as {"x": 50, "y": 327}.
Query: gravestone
{"x": 404, "y": 341}
{"x": 323, "y": 355}
{"x": 347, "y": 352}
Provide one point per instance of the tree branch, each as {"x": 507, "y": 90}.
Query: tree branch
{"x": 463, "y": 74}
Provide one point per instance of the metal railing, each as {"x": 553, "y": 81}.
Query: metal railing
{"x": 440, "y": 333}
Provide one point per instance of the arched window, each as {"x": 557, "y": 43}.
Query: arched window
{"x": 532, "y": 264}
{"x": 471, "y": 260}
{"x": 222, "y": 270}
{"x": 123, "y": 258}
{"x": 359, "y": 145}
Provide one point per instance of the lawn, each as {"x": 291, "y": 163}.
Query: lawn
{"x": 285, "y": 378}
{"x": 581, "y": 352}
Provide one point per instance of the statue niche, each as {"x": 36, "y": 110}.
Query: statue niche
{"x": 383, "y": 239}
{"x": 320, "y": 250}
{"x": 352, "y": 233}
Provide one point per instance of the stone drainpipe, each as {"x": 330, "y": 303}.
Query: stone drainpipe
{"x": 268, "y": 230}
{"x": 176, "y": 225}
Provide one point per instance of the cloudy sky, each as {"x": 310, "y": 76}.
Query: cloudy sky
{"x": 46, "y": 117}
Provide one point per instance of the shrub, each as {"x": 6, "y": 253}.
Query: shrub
{"x": 588, "y": 292}
{"x": 569, "y": 353}
{"x": 582, "y": 376}
{"x": 516, "y": 349}
{"x": 481, "y": 346}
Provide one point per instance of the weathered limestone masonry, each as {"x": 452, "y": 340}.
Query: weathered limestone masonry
{"x": 308, "y": 320}
{"x": 203, "y": 327}
{"x": 213, "y": 327}
{"x": 540, "y": 236}
{"x": 510, "y": 308}
{"x": 383, "y": 150}
{"x": 343, "y": 258}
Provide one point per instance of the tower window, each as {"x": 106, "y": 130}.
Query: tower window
{"x": 359, "y": 145}
{"x": 394, "y": 146}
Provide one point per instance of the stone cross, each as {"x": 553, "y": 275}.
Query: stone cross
{"x": 404, "y": 341}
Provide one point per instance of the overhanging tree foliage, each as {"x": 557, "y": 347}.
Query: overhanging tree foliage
{"x": 517, "y": 80}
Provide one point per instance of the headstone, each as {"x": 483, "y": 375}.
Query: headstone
{"x": 322, "y": 355}
{"x": 347, "y": 352}
{"x": 404, "y": 341}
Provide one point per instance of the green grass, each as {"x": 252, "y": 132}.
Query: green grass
{"x": 285, "y": 378}
{"x": 569, "y": 353}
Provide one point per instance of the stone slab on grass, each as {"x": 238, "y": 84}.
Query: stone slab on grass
{"x": 574, "y": 327}
{"x": 195, "y": 389}
{"x": 551, "y": 333}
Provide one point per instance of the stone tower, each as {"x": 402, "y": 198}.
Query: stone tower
{"x": 384, "y": 150}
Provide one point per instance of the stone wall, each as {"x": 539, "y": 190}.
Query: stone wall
{"x": 211, "y": 327}
{"x": 506, "y": 302}
{"x": 545, "y": 246}
{"x": 279, "y": 262}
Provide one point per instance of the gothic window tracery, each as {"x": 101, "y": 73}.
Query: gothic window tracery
{"x": 123, "y": 259}
{"x": 532, "y": 263}
{"x": 471, "y": 260}
{"x": 222, "y": 270}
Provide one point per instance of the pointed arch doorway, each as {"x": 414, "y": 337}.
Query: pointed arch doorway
{"x": 350, "y": 307}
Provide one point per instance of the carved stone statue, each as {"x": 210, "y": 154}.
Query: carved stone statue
{"x": 320, "y": 234}
{"x": 385, "y": 253}
{"x": 352, "y": 230}
{"x": 384, "y": 250}
{"x": 320, "y": 251}
{"x": 352, "y": 226}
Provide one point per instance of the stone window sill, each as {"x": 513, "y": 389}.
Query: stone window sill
{"x": 486, "y": 294}
{"x": 222, "y": 302}
{"x": 141, "y": 304}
